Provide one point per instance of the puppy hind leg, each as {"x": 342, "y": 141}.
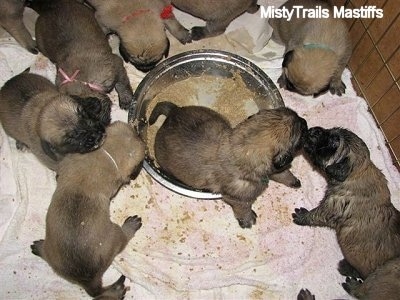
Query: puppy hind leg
{"x": 242, "y": 212}
{"x": 116, "y": 290}
{"x": 287, "y": 178}
{"x": 346, "y": 269}
{"x": 352, "y": 286}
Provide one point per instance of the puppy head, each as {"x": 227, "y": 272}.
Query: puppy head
{"x": 337, "y": 151}
{"x": 126, "y": 148}
{"x": 291, "y": 131}
{"x": 277, "y": 134}
{"x": 68, "y": 126}
{"x": 308, "y": 71}
{"x": 144, "y": 42}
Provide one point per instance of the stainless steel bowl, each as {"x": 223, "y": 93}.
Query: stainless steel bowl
{"x": 190, "y": 64}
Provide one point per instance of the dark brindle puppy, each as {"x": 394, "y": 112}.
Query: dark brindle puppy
{"x": 69, "y": 35}
{"x": 218, "y": 14}
{"x": 49, "y": 123}
{"x": 316, "y": 50}
{"x": 383, "y": 283}
{"x": 198, "y": 147}
{"x": 81, "y": 241}
{"x": 140, "y": 25}
{"x": 11, "y": 19}
{"x": 356, "y": 203}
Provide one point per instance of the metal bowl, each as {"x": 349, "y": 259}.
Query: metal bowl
{"x": 191, "y": 64}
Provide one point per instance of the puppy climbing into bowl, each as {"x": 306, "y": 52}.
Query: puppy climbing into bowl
{"x": 197, "y": 146}
{"x": 81, "y": 241}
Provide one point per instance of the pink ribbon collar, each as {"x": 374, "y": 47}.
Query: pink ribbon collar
{"x": 72, "y": 78}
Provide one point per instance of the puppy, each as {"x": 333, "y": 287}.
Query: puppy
{"x": 197, "y": 146}
{"x": 69, "y": 35}
{"x": 383, "y": 283}
{"x": 140, "y": 26}
{"x": 356, "y": 203}
{"x": 11, "y": 19}
{"x": 50, "y": 124}
{"x": 81, "y": 241}
{"x": 217, "y": 14}
{"x": 317, "y": 50}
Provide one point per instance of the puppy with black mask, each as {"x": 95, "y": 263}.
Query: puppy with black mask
{"x": 235, "y": 162}
{"x": 11, "y": 19}
{"x": 68, "y": 34}
{"x": 317, "y": 50}
{"x": 81, "y": 241}
{"x": 140, "y": 26}
{"x": 50, "y": 124}
{"x": 356, "y": 203}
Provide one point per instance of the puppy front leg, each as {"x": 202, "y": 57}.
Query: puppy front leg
{"x": 19, "y": 32}
{"x": 122, "y": 85}
{"x": 130, "y": 226}
{"x": 242, "y": 211}
{"x": 337, "y": 86}
{"x": 212, "y": 28}
{"x": 177, "y": 30}
{"x": 318, "y": 216}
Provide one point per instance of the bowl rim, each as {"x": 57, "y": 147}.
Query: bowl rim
{"x": 163, "y": 67}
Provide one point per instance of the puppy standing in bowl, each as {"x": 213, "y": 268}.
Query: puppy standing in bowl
{"x": 197, "y": 146}
{"x": 81, "y": 241}
{"x": 356, "y": 203}
{"x": 140, "y": 25}
{"x": 50, "y": 124}
{"x": 317, "y": 50}
{"x": 11, "y": 19}
{"x": 69, "y": 35}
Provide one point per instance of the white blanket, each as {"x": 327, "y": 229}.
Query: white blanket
{"x": 188, "y": 248}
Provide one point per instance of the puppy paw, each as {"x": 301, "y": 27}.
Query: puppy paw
{"x": 337, "y": 87}
{"x": 21, "y": 146}
{"x": 351, "y": 284}
{"x": 198, "y": 33}
{"x": 300, "y": 216}
{"x": 36, "y": 247}
{"x": 115, "y": 291}
{"x": 248, "y": 221}
{"x": 296, "y": 184}
{"x": 346, "y": 269}
{"x": 282, "y": 82}
{"x": 186, "y": 38}
{"x": 131, "y": 225}
{"x": 305, "y": 294}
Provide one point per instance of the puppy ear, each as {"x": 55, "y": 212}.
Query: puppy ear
{"x": 340, "y": 170}
{"x": 287, "y": 58}
{"x": 48, "y": 149}
{"x": 282, "y": 160}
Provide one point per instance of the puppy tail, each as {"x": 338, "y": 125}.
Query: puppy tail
{"x": 162, "y": 108}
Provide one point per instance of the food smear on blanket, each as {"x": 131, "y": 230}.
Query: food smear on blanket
{"x": 228, "y": 96}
